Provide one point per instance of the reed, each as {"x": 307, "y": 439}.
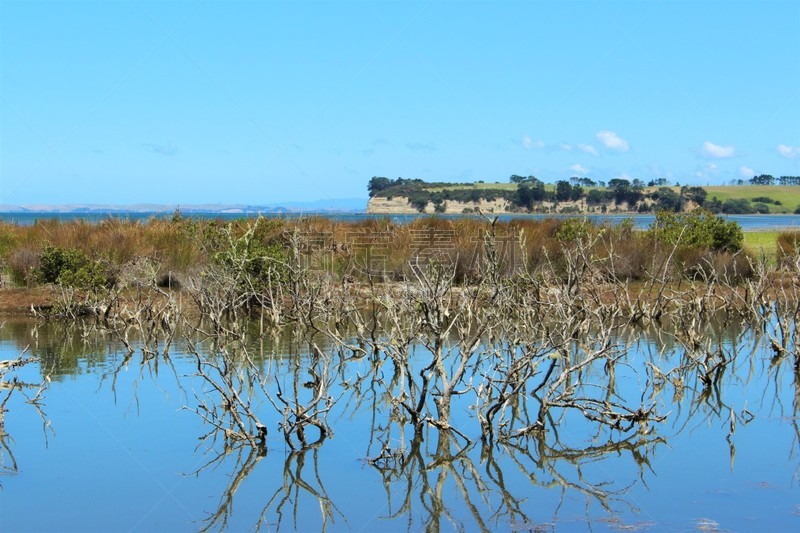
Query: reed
{"x": 373, "y": 249}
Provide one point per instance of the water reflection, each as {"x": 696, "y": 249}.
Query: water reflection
{"x": 14, "y": 389}
{"x": 304, "y": 392}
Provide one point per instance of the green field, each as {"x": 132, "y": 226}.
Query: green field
{"x": 761, "y": 242}
{"x": 787, "y": 195}
{"x": 479, "y": 186}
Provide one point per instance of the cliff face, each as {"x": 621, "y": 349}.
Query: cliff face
{"x": 400, "y": 205}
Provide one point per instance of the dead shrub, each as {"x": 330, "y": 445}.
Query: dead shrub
{"x": 23, "y": 264}
{"x": 625, "y": 254}
{"x": 701, "y": 263}
{"x": 541, "y": 244}
{"x": 788, "y": 249}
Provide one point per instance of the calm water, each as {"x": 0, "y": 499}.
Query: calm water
{"x": 120, "y": 453}
{"x": 747, "y": 222}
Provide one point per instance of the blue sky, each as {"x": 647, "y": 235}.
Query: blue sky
{"x": 260, "y": 102}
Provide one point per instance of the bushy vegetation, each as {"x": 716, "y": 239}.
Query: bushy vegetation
{"x": 697, "y": 229}
{"x": 254, "y": 260}
{"x": 71, "y": 268}
{"x": 420, "y": 193}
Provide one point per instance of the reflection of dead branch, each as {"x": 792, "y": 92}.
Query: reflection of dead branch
{"x": 33, "y": 394}
{"x": 231, "y": 414}
{"x": 307, "y": 403}
{"x": 236, "y": 387}
{"x": 245, "y": 462}
{"x": 295, "y": 485}
{"x": 416, "y": 472}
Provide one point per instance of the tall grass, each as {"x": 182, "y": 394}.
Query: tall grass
{"x": 788, "y": 249}
{"x": 373, "y": 248}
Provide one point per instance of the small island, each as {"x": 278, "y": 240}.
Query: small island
{"x": 763, "y": 194}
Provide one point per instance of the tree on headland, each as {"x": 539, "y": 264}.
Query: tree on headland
{"x": 622, "y": 191}
{"x": 667, "y": 200}
{"x": 377, "y": 184}
{"x": 529, "y": 193}
{"x": 694, "y": 194}
{"x": 563, "y": 191}
{"x": 763, "y": 179}
{"x": 566, "y": 192}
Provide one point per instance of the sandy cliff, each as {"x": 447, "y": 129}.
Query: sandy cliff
{"x": 400, "y": 205}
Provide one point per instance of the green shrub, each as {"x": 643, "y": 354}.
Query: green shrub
{"x": 697, "y": 229}
{"x": 667, "y": 199}
{"x": 739, "y": 206}
{"x": 765, "y": 200}
{"x": 418, "y": 201}
{"x": 573, "y": 229}
{"x": 254, "y": 258}
{"x": 71, "y": 268}
{"x": 54, "y": 261}
{"x": 90, "y": 276}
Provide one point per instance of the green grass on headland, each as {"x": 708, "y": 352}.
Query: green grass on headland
{"x": 783, "y": 198}
{"x": 532, "y": 195}
{"x": 787, "y": 195}
{"x": 475, "y": 186}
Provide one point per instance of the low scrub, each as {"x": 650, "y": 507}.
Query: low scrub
{"x": 264, "y": 252}
{"x": 788, "y": 249}
{"x": 73, "y": 269}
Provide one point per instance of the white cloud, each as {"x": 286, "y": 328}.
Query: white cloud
{"x": 612, "y": 141}
{"x": 716, "y": 151}
{"x": 565, "y": 146}
{"x": 588, "y": 148}
{"x": 529, "y": 143}
{"x": 707, "y": 171}
{"x": 746, "y": 172}
{"x": 789, "y": 151}
{"x": 579, "y": 169}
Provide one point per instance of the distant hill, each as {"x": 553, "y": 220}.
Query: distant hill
{"x": 340, "y": 205}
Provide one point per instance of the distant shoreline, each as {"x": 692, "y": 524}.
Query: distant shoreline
{"x": 749, "y": 223}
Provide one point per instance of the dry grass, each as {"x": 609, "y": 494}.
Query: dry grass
{"x": 374, "y": 249}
